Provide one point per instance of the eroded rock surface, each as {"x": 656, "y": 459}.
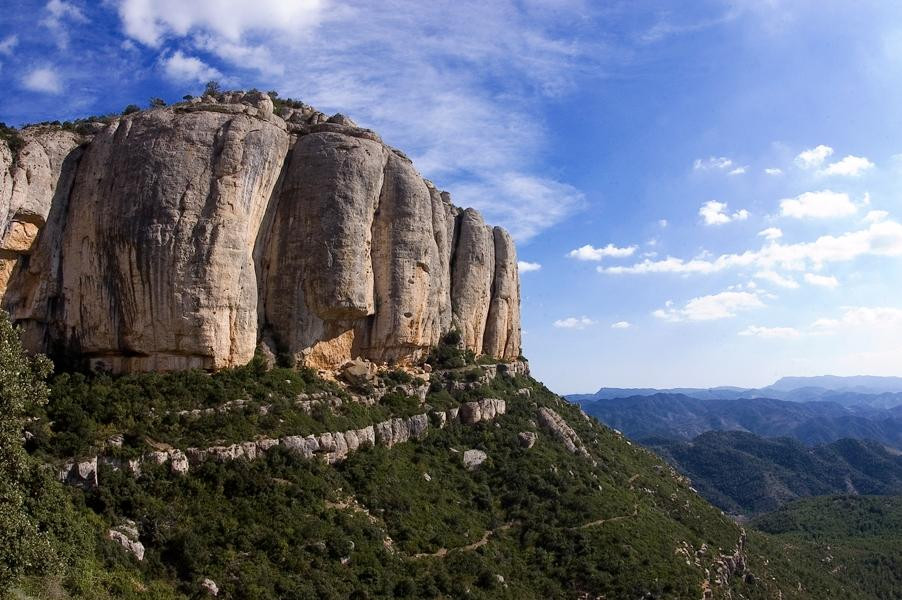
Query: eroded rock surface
{"x": 191, "y": 235}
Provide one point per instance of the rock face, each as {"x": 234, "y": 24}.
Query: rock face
{"x": 187, "y": 236}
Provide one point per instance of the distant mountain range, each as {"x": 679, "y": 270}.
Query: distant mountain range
{"x": 678, "y": 416}
{"x": 746, "y": 474}
{"x": 862, "y": 390}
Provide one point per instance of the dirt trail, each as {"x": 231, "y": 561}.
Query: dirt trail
{"x": 441, "y": 552}
{"x": 608, "y": 520}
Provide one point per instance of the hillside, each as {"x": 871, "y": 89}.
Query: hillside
{"x": 502, "y": 490}
{"x": 745, "y": 474}
{"x": 855, "y": 538}
{"x": 681, "y": 417}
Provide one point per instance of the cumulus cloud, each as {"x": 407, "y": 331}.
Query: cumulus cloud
{"x": 849, "y": 166}
{"x": 771, "y": 233}
{"x": 875, "y": 216}
{"x": 149, "y": 21}
{"x": 783, "y": 333}
{"x": 813, "y": 157}
{"x": 188, "y": 69}
{"x": 527, "y": 267}
{"x": 621, "y": 325}
{"x": 818, "y": 205}
{"x": 773, "y": 171}
{"x": 589, "y": 252}
{"x": 574, "y": 322}
{"x": 827, "y": 281}
{"x": 777, "y": 279}
{"x": 713, "y": 307}
{"x": 721, "y": 163}
{"x": 879, "y": 239}
{"x": 714, "y": 213}
{"x": 738, "y": 170}
{"x": 43, "y": 79}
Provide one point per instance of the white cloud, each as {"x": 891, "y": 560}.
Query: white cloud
{"x": 849, "y": 166}
{"x": 469, "y": 106}
{"x": 712, "y": 307}
{"x": 883, "y": 319}
{"x": 662, "y": 223}
{"x": 523, "y": 203}
{"x": 574, "y": 323}
{"x": 875, "y": 216}
{"x": 621, "y": 325}
{"x": 771, "y": 233}
{"x": 879, "y": 239}
{"x": 8, "y": 44}
{"x": 188, "y": 69}
{"x": 149, "y": 21}
{"x": 589, "y": 252}
{"x": 58, "y": 12}
{"x": 813, "y": 157}
{"x": 777, "y": 279}
{"x": 818, "y": 205}
{"x": 738, "y": 170}
{"x": 721, "y": 163}
{"x": 43, "y": 79}
{"x": 773, "y": 171}
{"x": 784, "y": 333}
{"x": 527, "y": 267}
{"x": 714, "y": 213}
{"x": 827, "y": 281}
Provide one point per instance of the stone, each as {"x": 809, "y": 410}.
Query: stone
{"x": 561, "y": 430}
{"x": 470, "y": 413}
{"x": 178, "y": 462}
{"x": 132, "y": 545}
{"x": 210, "y": 587}
{"x": 527, "y": 439}
{"x": 473, "y": 458}
{"x": 358, "y": 371}
{"x": 189, "y": 236}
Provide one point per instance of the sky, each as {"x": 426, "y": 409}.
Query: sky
{"x": 702, "y": 192}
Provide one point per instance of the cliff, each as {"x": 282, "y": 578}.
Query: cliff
{"x": 187, "y": 236}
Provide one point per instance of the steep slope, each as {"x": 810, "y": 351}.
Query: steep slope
{"x": 520, "y": 497}
{"x": 185, "y": 236}
{"x": 679, "y": 416}
{"x": 746, "y": 474}
{"x": 856, "y": 538}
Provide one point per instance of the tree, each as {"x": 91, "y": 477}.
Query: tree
{"x": 131, "y": 108}
{"x": 23, "y": 548}
{"x": 157, "y": 102}
{"x": 212, "y": 88}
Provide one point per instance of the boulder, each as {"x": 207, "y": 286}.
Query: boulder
{"x": 527, "y": 439}
{"x": 473, "y": 458}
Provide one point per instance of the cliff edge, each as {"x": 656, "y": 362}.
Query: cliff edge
{"x": 186, "y": 236}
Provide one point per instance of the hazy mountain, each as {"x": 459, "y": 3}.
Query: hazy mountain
{"x": 743, "y": 473}
{"x": 683, "y": 417}
{"x": 859, "y": 390}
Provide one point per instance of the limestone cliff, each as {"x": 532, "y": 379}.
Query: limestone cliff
{"x": 186, "y": 236}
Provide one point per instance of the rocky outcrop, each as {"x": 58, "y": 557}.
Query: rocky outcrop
{"x": 473, "y": 458}
{"x": 126, "y": 535}
{"x": 187, "y": 236}
{"x": 556, "y": 424}
{"x": 331, "y": 447}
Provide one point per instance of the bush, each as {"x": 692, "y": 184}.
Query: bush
{"x": 131, "y": 108}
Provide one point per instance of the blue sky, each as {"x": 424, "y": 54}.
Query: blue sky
{"x": 705, "y": 193}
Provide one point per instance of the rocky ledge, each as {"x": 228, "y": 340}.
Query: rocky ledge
{"x": 190, "y": 235}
